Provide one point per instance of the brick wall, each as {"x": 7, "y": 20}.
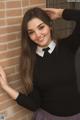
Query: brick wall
{"x": 11, "y": 13}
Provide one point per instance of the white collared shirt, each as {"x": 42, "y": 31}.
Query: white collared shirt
{"x": 40, "y": 51}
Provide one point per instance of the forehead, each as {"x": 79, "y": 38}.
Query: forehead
{"x": 34, "y": 23}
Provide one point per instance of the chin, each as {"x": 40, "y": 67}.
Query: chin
{"x": 44, "y": 43}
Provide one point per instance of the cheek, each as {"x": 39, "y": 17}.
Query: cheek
{"x": 33, "y": 37}
{"x": 46, "y": 31}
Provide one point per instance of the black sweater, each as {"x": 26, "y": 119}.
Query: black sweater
{"x": 55, "y": 82}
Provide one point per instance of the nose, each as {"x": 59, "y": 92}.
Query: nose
{"x": 38, "y": 33}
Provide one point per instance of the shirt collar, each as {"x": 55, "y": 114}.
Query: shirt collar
{"x": 40, "y": 51}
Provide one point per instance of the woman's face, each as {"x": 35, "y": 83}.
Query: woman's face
{"x": 39, "y": 32}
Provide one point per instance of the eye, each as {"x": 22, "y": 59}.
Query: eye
{"x": 30, "y": 32}
{"x": 41, "y": 27}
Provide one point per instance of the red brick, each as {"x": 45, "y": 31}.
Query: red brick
{"x": 13, "y": 13}
{"x": 13, "y": 4}
{"x": 2, "y": 5}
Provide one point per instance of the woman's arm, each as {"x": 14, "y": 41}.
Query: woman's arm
{"x": 68, "y": 14}
{"x": 31, "y": 102}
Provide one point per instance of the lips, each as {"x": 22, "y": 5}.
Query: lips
{"x": 40, "y": 40}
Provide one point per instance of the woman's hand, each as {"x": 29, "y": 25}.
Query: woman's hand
{"x": 5, "y": 86}
{"x": 54, "y": 13}
{"x": 3, "y": 78}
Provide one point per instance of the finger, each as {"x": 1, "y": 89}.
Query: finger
{"x": 48, "y": 9}
{"x": 2, "y": 73}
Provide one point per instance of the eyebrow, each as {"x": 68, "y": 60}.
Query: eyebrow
{"x": 37, "y": 26}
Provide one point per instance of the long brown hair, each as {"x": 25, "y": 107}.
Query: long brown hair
{"x": 28, "y": 54}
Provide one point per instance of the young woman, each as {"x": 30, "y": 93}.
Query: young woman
{"x": 48, "y": 66}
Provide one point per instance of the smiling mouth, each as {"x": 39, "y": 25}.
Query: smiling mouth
{"x": 41, "y": 39}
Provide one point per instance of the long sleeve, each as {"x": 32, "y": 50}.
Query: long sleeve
{"x": 73, "y": 15}
{"x": 31, "y": 101}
